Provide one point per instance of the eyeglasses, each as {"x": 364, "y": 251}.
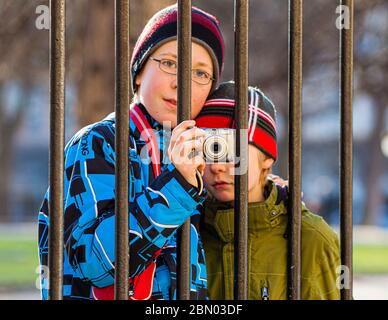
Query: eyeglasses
{"x": 197, "y": 75}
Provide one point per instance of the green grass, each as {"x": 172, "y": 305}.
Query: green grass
{"x": 371, "y": 259}
{"x": 19, "y": 261}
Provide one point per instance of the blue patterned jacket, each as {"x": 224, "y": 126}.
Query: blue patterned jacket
{"x": 157, "y": 208}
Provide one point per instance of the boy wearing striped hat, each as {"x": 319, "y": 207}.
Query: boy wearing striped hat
{"x": 267, "y": 213}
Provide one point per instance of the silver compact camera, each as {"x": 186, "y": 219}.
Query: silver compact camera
{"x": 219, "y": 145}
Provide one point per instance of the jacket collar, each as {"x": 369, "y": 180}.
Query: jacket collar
{"x": 261, "y": 215}
{"x": 152, "y": 122}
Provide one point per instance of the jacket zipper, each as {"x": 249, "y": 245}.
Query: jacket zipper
{"x": 264, "y": 293}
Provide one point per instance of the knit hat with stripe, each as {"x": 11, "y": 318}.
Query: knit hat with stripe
{"x": 162, "y": 27}
{"x": 219, "y": 112}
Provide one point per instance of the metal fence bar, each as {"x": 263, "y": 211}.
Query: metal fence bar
{"x": 184, "y": 113}
{"x": 57, "y": 141}
{"x": 346, "y": 151}
{"x": 122, "y": 90}
{"x": 241, "y": 11}
{"x": 295, "y": 19}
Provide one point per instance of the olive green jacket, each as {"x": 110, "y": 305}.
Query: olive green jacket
{"x": 267, "y": 250}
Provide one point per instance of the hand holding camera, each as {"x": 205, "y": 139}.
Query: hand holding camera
{"x": 191, "y": 148}
{"x": 186, "y": 139}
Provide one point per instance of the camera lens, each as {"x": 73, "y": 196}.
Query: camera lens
{"x": 215, "y": 148}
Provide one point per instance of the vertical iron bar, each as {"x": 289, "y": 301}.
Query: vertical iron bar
{"x": 346, "y": 150}
{"x": 184, "y": 113}
{"x": 57, "y": 141}
{"x": 241, "y": 12}
{"x": 295, "y": 18}
{"x": 122, "y": 89}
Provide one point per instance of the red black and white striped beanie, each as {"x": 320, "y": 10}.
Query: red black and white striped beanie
{"x": 219, "y": 112}
{"x": 162, "y": 27}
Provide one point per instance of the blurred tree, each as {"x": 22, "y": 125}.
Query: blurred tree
{"x": 371, "y": 61}
{"x": 268, "y": 40}
{"x": 90, "y": 63}
{"x": 10, "y": 121}
{"x": 22, "y": 63}
{"x": 94, "y": 48}
{"x": 93, "y": 59}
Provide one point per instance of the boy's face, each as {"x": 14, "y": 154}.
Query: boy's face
{"x": 157, "y": 90}
{"x": 219, "y": 178}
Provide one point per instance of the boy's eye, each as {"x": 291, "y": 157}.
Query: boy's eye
{"x": 168, "y": 63}
{"x": 198, "y": 73}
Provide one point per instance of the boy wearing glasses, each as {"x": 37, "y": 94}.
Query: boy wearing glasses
{"x": 164, "y": 183}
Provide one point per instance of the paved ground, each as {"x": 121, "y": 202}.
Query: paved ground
{"x": 370, "y": 287}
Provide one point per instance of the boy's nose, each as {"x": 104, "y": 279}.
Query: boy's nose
{"x": 217, "y": 167}
{"x": 174, "y": 82}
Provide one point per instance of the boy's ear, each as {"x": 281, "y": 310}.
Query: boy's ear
{"x": 138, "y": 79}
{"x": 267, "y": 163}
